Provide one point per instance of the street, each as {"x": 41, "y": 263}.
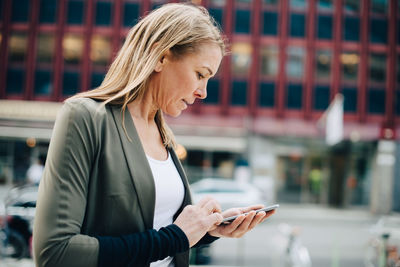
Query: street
{"x": 334, "y": 237}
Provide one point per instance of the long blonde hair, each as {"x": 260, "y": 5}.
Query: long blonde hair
{"x": 178, "y": 27}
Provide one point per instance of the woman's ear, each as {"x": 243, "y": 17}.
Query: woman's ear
{"x": 162, "y": 61}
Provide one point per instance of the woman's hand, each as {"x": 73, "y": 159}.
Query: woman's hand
{"x": 241, "y": 224}
{"x": 196, "y": 220}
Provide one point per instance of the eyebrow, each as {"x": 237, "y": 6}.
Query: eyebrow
{"x": 209, "y": 70}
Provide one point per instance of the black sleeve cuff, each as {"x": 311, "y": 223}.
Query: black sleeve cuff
{"x": 207, "y": 239}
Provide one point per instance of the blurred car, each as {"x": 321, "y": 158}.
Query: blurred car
{"x": 229, "y": 193}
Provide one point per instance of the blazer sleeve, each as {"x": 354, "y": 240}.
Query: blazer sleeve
{"x": 63, "y": 191}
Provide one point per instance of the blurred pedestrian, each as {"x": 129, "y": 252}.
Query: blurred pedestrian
{"x": 113, "y": 191}
{"x": 35, "y": 171}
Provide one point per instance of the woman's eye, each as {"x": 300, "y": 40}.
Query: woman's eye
{"x": 199, "y": 75}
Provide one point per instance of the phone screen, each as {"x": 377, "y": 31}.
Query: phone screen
{"x": 266, "y": 209}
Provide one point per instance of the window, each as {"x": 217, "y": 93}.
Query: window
{"x": 267, "y": 94}
{"x": 323, "y": 60}
{"x": 239, "y": 93}
{"x": 270, "y": 2}
{"x": 20, "y": 11}
{"x": 241, "y": 58}
{"x": 72, "y": 49}
{"x": 157, "y": 3}
{"x": 378, "y": 30}
{"x": 71, "y": 82}
{"x": 294, "y": 64}
{"x": 44, "y": 67}
{"x": 242, "y": 21}
{"x": 377, "y": 68}
{"x": 217, "y": 14}
{"x": 297, "y": 25}
{"x": 75, "y": 12}
{"x": 298, "y": 4}
{"x": 376, "y": 88}
{"x": 131, "y": 14}
{"x": 351, "y": 28}
{"x": 48, "y": 11}
{"x": 17, "y": 49}
{"x": 325, "y": 5}
{"x": 352, "y": 6}
{"x": 269, "y": 60}
{"x": 379, "y": 6}
{"x": 103, "y": 13}
{"x": 294, "y": 96}
{"x": 100, "y": 52}
{"x": 349, "y": 66}
{"x": 321, "y": 97}
{"x": 96, "y": 79}
{"x": 219, "y": 3}
{"x": 376, "y": 100}
{"x": 212, "y": 91}
{"x": 270, "y": 23}
{"x": 324, "y": 26}
{"x": 350, "y": 99}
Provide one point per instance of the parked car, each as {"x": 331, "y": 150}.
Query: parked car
{"x": 16, "y": 221}
{"x": 229, "y": 193}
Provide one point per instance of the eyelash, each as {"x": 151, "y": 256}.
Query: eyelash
{"x": 200, "y": 76}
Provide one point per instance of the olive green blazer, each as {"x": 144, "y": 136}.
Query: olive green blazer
{"x": 96, "y": 182}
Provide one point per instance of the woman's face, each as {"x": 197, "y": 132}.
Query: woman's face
{"x": 176, "y": 83}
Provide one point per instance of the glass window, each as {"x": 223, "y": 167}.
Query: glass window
{"x": 297, "y": 25}
{"x": 212, "y": 92}
{"x": 378, "y": 30}
{"x": 72, "y": 48}
{"x": 241, "y": 58}
{"x": 157, "y": 3}
{"x": 75, "y": 12}
{"x": 350, "y": 99}
{"x": 71, "y": 83}
{"x": 294, "y": 64}
{"x": 349, "y": 66}
{"x": 270, "y": 2}
{"x": 17, "y": 46}
{"x": 15, "y": 80}
{"x": 376, "y": 101}
{"x": 100, "y": 52}
{"x": 45, "y": 48}
{"x": 379, "y": 6}
{"x": 103, "y": 13}
{"x": 269, "y": 60}
{"x": 131, "y": 14}
{"x": 220, "y": 3}
{"x": 298, "y": 4}
{"x": 239, "y": 93}
{"x": 43, "y": 83}
{"x": 323, "y": 61}
{"x": 218, "y": 15}
{"x": 267, "y": 94}
{"x": 377, "y": 68}
{"x": 97, "y": 79}
{"x": 398, "y": 32}
{"x": 325, "y": 5}
{"x": 242, "y": 21}
{"x": 321, "y": 97}
{"x": 398, "y": 69}
{"x": 352, "y": 6}
{"x": 48, "y": 11}
{"x": 294, "y": 96}
{"x": 397, "y": 102}
{"x": 20, "y": 10}
{"x": 324, "y": 26}
{"x": 351, "y": 29}
{"x": 270, "y": 23}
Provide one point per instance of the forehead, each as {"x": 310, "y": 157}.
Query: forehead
{"x": 206, "y": 55}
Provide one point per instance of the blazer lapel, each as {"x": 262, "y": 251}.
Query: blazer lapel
{"x": 187, "y": 199}
{"x": 138, "y": 165}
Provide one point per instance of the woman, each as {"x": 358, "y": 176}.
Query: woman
{"x": 113, "y": 192}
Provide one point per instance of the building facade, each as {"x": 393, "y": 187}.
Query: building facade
{"x": 288, "y": 61}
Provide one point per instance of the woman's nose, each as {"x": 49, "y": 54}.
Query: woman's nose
{"x": 201, "y": 92}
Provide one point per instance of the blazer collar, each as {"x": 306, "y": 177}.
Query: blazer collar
{"x": 138, "y": 165}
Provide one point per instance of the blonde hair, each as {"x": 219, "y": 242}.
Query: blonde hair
{"x": 180, "y": 28}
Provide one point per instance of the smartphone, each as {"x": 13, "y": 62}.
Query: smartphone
{"x": 266, "y": 209}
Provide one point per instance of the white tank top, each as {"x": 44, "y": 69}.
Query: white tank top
{"x": 169, "y": 197}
